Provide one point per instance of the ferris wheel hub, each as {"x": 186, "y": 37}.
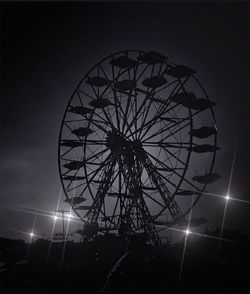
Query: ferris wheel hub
{"x": 121, "y": 146}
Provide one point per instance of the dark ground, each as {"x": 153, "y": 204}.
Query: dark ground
{"x": 146, "y": 270}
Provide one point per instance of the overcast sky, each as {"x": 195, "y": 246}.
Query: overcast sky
{"x": 47, "y": 49}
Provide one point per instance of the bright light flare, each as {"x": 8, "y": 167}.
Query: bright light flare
{"x": 227, "y": 198}
{"x": 31, "y": 235}
{"x": 69, "y": 216}
{"x": 187, "y": 232}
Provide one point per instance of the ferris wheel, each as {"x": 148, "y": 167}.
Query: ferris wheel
{"x": 137, "y": 145}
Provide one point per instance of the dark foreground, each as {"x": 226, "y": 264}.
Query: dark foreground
{"x": 41, "y": 268}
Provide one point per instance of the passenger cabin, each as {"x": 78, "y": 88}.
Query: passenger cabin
{"x": 80, "y": 110}
{"x": 180, "y": 71}
{"x": 203, "y": 132}
{"x": 73, "y": 178}
{"x": 124, "y": 62}
{"x": 154, "y": 82}
{"x": 71, "y": 143}
{"x": 75, "y": 200}
{"x": 125, "y": 85}
{"x": 183, "y": 98}
{"x": 152, "y": 58}
{"x": 98, "y": 81}
{"x": 207, "y": 178}
{"x": 187, "y": 193}
{"x": 74, "y": 165}
{"x": 82, "y": 132}
{"x": 205, "y": 148}
{"x": 100, "y": 103}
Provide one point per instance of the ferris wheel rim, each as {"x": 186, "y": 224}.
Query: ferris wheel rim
{"x": 70, "y": 100}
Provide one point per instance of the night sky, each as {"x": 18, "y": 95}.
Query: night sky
{"x": 48, "y": 47}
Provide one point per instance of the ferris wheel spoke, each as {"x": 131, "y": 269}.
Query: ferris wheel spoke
{"x": 111, "y": 220}
{"x": 140, "y": 116}
{"x": 116, "y": 99}
{"x": 111, "y": 115}
{"x": 129, "y": 98}
{"x": 107, "y": 115}
{"x": 112, "y": 217}
{"x": 85, "y": 94}
{"x": 165, "y": 103}
{"x": 104, "y": 186}
{"x": 138, "y": 113}
{"x": 99, "y": 126}
{"x": 184, "y": 120}
{"x": 95, "y": 142}
{"x": 173, "y": 155}
{"x": 126, "y": 110}
{"x": 168, "y": 158}
{"x": 153, "y": 199}
{"x": 82, "y": 140}
{"x": 71, "y": 181}
{"x": 178, "y": 82}
{"x": 125, "y": 121}
{"x": 66, "y": 152}
{"x": 167, "y": 168}
{"x": 164, "y": 130}
{"x": 66, "y": 172}
{"x": 103, "y": 120}
{"x": 132, "y": 109}
{"x": 92, "y": 87}
{"x": 95, "y": 156}
{"x": 152, "y": 122}
{"x": 93, "y": 174}
{"x": 113, "y": 69}
{"x": 75, "y": 120}
{"x": 77, "y": 186}
{"x": 125, "y": 183}
{"x": 136, "y": 121}
{"x": 154, "y": 176}
{"x": 164, "y": 108}
{"x": 146, "y": 114}
{"x": 108, "y": 85}
{"x": 161, "y": 175}
{"x": 160, "y": 68}
{"x": 117, "y": 111}
{"x": 187, "y": 181}
{"x": 93, "y": 152}
{"x": 174, "y": 132}
{"x": 160, "y": 132}
{"x": 181, "y": 145}
{"x": 159, "y": 213}
{"x": 142, "y": 73}
{"x": 90, "y": 177}
{"x": 114, "y": 92}
{"x": 155, "y": 121}
{"x": 170, "y": 203}
{"x": 142, "y": 209}
{"x": 145, "y": 111}
{"x": 92, "y": 121}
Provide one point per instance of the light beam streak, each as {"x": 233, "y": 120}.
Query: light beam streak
{"x": 65, "y": 242}
{"x": 52, "y": 231}
{"x": 227, "y": 198}
{"x": 187, "y": 232}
